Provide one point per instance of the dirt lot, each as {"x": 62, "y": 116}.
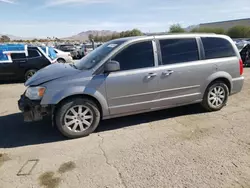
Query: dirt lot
{"x": 181, "y": 147}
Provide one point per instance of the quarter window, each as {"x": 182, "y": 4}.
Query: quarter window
{"x": 33, "y": 53}
{"x": 217, "y": 48}
{"x": 178, "y": 51}
{"x": 136, "y": 56}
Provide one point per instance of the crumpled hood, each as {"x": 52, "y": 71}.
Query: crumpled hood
{"x": 52, "y": 72}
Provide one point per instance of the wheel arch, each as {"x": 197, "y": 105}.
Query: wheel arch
{"x": 86, "y": 96}
{"x": 224, "y": 80}
{"x": 61, "y": 58}
{"x": 219, "y": 76}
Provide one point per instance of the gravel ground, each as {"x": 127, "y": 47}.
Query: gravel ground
{"x": 181, "y": 147}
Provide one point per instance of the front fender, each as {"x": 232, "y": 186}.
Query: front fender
{"x": 56, "y": 97}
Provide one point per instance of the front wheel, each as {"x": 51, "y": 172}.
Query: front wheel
{"x": 77, "y": 117}
{"x": 216, "y": 96}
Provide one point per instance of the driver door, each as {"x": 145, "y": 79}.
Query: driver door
{"x": 134, "y": 87}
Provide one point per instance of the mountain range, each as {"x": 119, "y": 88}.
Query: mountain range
{"x": 85, "y": 34}
{"x": 80, "y": 36}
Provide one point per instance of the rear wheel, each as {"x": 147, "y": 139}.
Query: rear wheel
{"x": 216, "y": 96}
{"x": 77, "y": 117}
{"x": 61, "y": 60}
{"x": 29, "y": 74}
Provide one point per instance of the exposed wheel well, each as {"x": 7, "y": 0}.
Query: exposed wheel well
{"x": 224, "y": 80}
{"x": 61, "y": 59}
{"x": 81, "y": 96}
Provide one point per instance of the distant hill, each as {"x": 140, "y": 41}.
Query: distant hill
{"x": 12, "y": 37}
{"x": 81, "y": 36}
{"x": 85, "y": 34}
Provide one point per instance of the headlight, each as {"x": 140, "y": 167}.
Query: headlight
{"x": 35, "y": 93}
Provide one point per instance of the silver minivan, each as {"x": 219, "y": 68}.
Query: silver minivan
{"x": 134, "y": 75}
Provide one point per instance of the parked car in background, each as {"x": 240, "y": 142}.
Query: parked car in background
{"x": 245, "y": 55}
{"x": 63, "y": 57}
{"x": 23, "y": 61}
{"x": 88, "y": 48}
{"x": 84, "y": 49}
{"x": 69, "y": 48}
{"x": 134, "y": 75}
{"x": 240, "y": 43}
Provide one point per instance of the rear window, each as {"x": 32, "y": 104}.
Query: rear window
{"x": 217, "y": 48}
{"x": 179, "y": 50}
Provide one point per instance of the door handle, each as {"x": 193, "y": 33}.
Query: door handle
{"x": 167, "y": 73}
{"x": 151, "y": 75}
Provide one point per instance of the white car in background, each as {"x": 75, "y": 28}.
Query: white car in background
{"x": 63, "y": 57}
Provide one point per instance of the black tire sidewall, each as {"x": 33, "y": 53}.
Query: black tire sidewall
{"x": 25, "y": 76}
{"x": 60, "y": 60}
{"x": 205, "y": 102}
{"x": 61, "y": 111}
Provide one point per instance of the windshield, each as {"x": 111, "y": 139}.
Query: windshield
{"x": 94, "y": 57}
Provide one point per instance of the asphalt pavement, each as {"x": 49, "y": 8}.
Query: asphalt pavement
{"x": 180, "y": 147}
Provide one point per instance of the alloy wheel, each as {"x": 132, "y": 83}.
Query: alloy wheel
{"x": 216, "y": 97}
{"x": 78, "y": 118}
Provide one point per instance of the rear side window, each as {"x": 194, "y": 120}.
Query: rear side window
{"x": 179, "y": 51}
{"x": 217, "y": 48}
{"x": 136, "y": 56}
{"x": 15, "y": 56}
{"x": 33, "y": 53}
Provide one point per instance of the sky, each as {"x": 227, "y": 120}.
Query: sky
{"x": 64, "y": 18}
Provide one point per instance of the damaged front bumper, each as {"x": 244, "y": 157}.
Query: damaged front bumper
{"x": 33, "y": 110}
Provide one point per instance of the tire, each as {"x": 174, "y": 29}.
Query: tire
{"x": 217, "y": 91}
{"x": 60, "y": 60}
{"x": 29, "y": 74}
{"x": 74, "y": 125}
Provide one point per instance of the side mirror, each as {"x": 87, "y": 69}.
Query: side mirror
{"x": 112, "y": 66}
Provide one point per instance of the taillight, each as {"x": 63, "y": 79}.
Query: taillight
{"x": 241, "y": 66}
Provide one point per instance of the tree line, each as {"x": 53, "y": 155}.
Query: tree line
{"x": 239, "y": 31}
{"x": 234, "y": 32}
{"x": 129, "y": 33}
{"x": 4, "y": 38}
